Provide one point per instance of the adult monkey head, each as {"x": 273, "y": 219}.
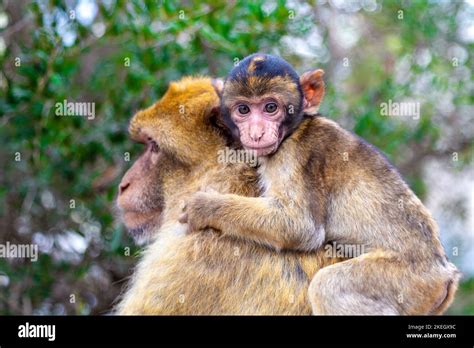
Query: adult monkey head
{"x": 176, "y": 146}
{"x": 264, "y": 100}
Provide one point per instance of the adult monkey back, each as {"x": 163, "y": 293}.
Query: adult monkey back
{"x": 199, "y": 273}
{"x": 323, "y": 184}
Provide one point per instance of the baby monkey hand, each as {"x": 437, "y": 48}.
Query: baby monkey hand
{"x": 198, "y": 211}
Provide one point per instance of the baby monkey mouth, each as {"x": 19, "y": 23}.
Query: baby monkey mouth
{"x": 263, "y": 150}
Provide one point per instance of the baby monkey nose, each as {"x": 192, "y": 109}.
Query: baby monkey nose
{"x": 256, "y": 134}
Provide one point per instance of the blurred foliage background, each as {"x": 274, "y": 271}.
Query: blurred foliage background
{"x": 121, "y": 55}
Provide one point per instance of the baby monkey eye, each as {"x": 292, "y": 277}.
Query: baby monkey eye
{"x": 271, "y": 107}
{"x": 243, "y": 109}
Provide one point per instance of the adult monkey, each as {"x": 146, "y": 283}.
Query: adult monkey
{"x": 323, "y": 184}
{"x": 199, "y": 273}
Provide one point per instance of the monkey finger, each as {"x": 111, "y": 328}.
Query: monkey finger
{"x": 203, "y": 189}
{"x": 209, "y": 190}
{"x": 183, "y": 218}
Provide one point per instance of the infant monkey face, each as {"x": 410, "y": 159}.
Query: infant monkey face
{"x": 258, "y": 121}
{"x": 263, "y": 101}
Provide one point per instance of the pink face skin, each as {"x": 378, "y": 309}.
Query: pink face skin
{"x": 258, "y": 120}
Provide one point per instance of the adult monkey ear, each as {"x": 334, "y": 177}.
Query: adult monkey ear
{"x": 218, "y": 85}
{"x": 312, "y": 84}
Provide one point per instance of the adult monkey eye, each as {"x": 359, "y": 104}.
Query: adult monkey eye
{"x": 271, "y": 107}
{"x": 154, "y": 146}
{"x": 243, "y": 109}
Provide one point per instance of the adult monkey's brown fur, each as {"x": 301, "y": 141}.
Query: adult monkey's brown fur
{"x": 200, "y": 273}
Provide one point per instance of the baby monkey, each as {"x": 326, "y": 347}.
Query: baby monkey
{"x": 322, "y": 184}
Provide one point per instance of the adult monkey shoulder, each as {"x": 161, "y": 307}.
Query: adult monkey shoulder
{"x": 199, "y": 273}
{"x": 321, "y": 183}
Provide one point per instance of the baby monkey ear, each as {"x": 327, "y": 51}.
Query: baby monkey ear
{"x": 312, "y": 84}
{"x": 218, "y": 85}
